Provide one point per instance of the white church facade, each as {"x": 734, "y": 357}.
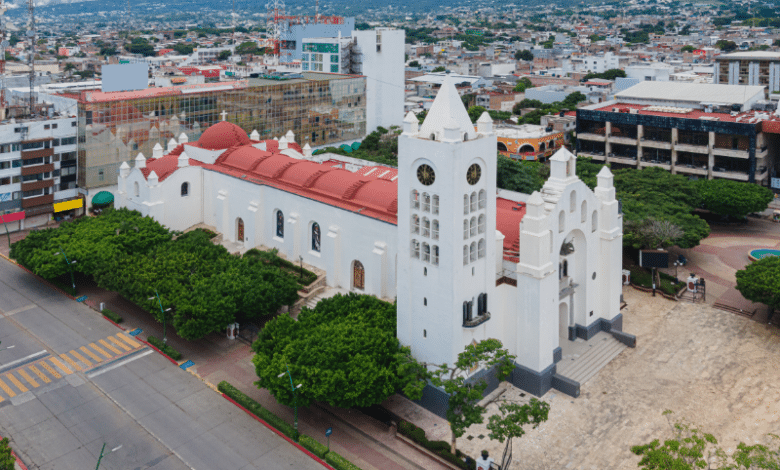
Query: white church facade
{"x": 464, "y": 260}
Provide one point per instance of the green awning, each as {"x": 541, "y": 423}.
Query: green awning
{"x": 102, "y": 198}
{"x": 355, "y": 145}
{"x": 346, "y": 148}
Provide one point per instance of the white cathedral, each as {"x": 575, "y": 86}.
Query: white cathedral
{"x": 464, "y": 260}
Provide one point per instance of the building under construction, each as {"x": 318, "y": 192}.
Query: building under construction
{"x": 294, "y": 31}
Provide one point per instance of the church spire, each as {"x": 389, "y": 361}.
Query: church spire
{"x": 447, "y": 106}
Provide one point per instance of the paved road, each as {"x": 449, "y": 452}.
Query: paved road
{"x": 73, "y": 381}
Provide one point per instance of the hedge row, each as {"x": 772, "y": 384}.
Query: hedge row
{"x": 301, "y": 275}
{"x": 157, "y": 343}
{"x": 440, "y": 448}
{"x": 309, "y": 443}
{"x": 111, "y": 315}
{"x": 644, "y": 278}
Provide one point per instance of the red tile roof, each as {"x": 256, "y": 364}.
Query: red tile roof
{"x": 742, "y": 118}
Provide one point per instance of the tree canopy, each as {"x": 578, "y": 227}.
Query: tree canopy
{"x": 520, "y": 176}
{"x": 523, "y": 84}
{"x": 733, "y": 198}
{"x": 343, "y": 352}
{"x": 525, "y": 54}
{"x": 760, "y": 281}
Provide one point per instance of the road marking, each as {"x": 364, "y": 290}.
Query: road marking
{"x": 27, "y": 377}
{"x": 24, "y": 360}
{"x": 81, "y": 358}
{"x": 90, "y": 354}
{"x": 40, "y": 374}
{"x": 98, "y": 349}
{"x": 119, "y": 364}
{"x": 50, "y": 370}
{"x": 16, "y": 382}
{"x": 109, "y": 347}
{"x": 70, "y": 361}
{"x": 119, "y": 343}
{"x": 59, "y": 364}
{"x": 20, "y": 310}
{"x": 7, "y": 389}
{"x": 129, "y": 340}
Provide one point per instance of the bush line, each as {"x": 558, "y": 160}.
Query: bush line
{"x": 111, "y": 315}
{"x": 309, "y": 443}
{"x": 440, "y": 448}
{"x": 169, "y": 351}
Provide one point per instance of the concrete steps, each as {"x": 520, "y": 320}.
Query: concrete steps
{"x": 312, "y": 302}
{"x": 582, "y": 368}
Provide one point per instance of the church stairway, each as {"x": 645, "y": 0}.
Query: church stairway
{"x": 582, "y": 367}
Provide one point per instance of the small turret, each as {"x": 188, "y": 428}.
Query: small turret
{"x": 140, "y": 161}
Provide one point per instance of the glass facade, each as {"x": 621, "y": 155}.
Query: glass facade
{"x": 319, "y": 109}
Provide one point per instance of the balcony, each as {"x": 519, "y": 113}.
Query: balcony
{"x": 691, "y": 169}
{"x": 622, "y": 140}
{"x": 594, "y": 156}
{"x": 591, "y": 137}
{"x": 623, "y": 159}
{"x": 36, "y": 169}
{"x": 31, "y": 185}
{"x": 38, "y": 201}
{"x": 476, "y": 320}
{"x": 703, "y": 149}
{"x": 657, "y": 163}
{"x": 30, "y": 154}
{"x": 731, "y": 175}
{"x": 656, "y": 144}
{"x": 730, "y": 152}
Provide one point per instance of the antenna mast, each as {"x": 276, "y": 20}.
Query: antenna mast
{"x": 31, "y": 53}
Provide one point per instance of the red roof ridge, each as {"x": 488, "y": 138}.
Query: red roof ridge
{"x": 278, "y": 173}
{"x": 353, "y": 189}
{"x": 313, "y": 178}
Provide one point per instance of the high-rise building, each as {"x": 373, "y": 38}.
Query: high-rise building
{"x": 292, "y": 35}
{"x": 749, "y": 68}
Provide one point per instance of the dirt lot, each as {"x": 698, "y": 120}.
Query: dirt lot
{"x": 710, "y": 367}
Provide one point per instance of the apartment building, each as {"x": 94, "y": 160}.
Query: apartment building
{"x": 700, "y": 130}
{"x": 749, "y": 68}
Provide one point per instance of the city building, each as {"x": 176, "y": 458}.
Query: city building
{"x": 38, "y": 167}
{"x": 528, "y": 141}
{"x": 376, "y": 54}
{"x": 115, "y": 127}
{"x": 749, "y": 68}
{"x": 704, "y": 131}
{"x": 293, "y": 34}
{"x": 464, "y": 261}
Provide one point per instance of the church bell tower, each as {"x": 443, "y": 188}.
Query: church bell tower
{"x": 447, "y": 259}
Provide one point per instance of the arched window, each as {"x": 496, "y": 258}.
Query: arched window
{"x": 573, "y": 201}
{"x": 426, "y": 202}
{"x": 435, "y": 229}
{"x": 594, "y": 223}
{"x": 527, "y": 148}
{"x": 473, "y": 202}
{"x": 482, "y": 199}
{"x": 315, "y": 237}
{"x": 482, "y": 247}
{"x": 185, "y": 189}
{"x": 415, "y": 199}
{"x": 481, "y": 223}
{"x": 279, "y": 224}
{"x": 561, "y": 221}
{"x": 465, "y": 255}
{"x": 560, "y": 271}
{"x": 541, "y": 147}
{"x": 473, "y": 251}
{"x": 584, "y": 212}
{"x": 136, "y": 189}
{"x": 565, "y": 268}
{"x": 502, "y": 147}
{"x": 415, "y": 223}
{"x": 465, "y": 229}
{"x": 415, "y": 249}
{"x": 465, "y": 204}
{"x": 435, "y": 255}
{"x": 435, "y": 204}
{"x": 426, "y": 253}
{"x": 473, "y": 227}
{"x": 426, "y": 227}
{"x": 239, "y": 229}
{"x": 358, "y": 276}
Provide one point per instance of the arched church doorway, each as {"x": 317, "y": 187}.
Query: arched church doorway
{"x": 358, "y": 275}
{"x": 239, "y": 229}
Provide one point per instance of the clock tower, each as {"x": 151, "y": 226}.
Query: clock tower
{"x": 446, "y": 230}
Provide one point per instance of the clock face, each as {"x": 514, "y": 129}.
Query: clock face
{"x": 473, "y": 174}
{"x": 426, "y": 175}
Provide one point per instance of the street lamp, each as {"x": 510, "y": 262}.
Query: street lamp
{"x": 677, "y": 264}
{"x": 69, "y": 263}
{"x": 165, "y": 338}
{"x": 101, "y": 453}
{"x": 295, "y": 397}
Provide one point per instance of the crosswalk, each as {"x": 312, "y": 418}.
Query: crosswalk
{"x": 48, "y": 369}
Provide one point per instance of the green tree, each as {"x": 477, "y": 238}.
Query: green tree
{"x": 523, "y": 84}
{"x": 760, "y": 282}
{"x": 726, "y": 46}
{"x": 475, "y": 112}
{"x": 514, "y": 416}
{"x": 462, "y": 410}
{"x": 344, "y": 352}
{"x": 439, "y": 69}
{"x": 108, "y": 50}
{"x": 525, "y": 54}
{"x": 183, "y": 48}
{"x": 143, "y": 48}
{"x": 687, "y": 48}
{"x": 520, "y": 176}
{"x": 7, "y": 459}
{"x": 414, "y": 63}
{"x": 733, "y": 198}
{"x": 224, "y": 55}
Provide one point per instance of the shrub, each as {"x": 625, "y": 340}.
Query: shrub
{"x": 440, "y": 448}
{"x": 113, "y": 316}
{"x": 169, "y": 351}
{"x": 644, "y": 278}
{"x": 340, "y": 463}
{"x": 313, "y": 446}
{"x": 256, "y": 409}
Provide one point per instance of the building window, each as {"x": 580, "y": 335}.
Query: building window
{"x": 594, "y": 223}
{"x": 481, "y": 248}
{"x": 305, "y": 66}
{"x": 185, "y": 189}
{"x": 465, "y": 255}
{"x": 473, "y": 251}
{"x": 426, "y": 252}
{"x": 584, "y": 212}
{"x": 279, "y": 224}
{"x": 561, "y": 221}
{"x": 473, "y": 202}
{"x": 435, "y": 229}
{"x": 426, "y": 202}
{"x": 101, "y": 175}
{"x": 573, "y": 201}
{"x": 435, "y": 255}
{"x": 465, "y": 229}
{"x": 415, "y": 249}
{"x": 482, "y": 199}
{"x": 426, "y": 227}
{"x": 415, "y": 223}
{"x": 334, "y": 68}
{"x": 481, "y": 223}
{"x": 415, "y": 199}
{"x": 358, "y": 276}
{"x": 465, "y": 204}
{"x": 473, "y": 227}
{"x": 315, "y": 237}
{"x": 435, "y": 204}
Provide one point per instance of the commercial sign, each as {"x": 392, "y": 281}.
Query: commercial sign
{"x": 68, "y": 205}
{"x": 775, "y": 184}
{"x": 12, "y": 217}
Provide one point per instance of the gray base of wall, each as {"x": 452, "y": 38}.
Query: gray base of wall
{"x": 588, "y": 332}
{"x": 437, "y": 400}
{"x": 535, "y": 383}
{"x": 557, "y": 355}
{"x": 566, "y": 385}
